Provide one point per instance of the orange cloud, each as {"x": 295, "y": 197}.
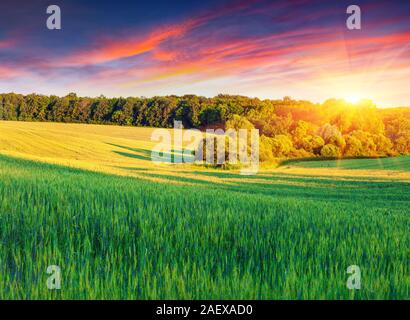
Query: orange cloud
{"x": 186, "y": 53}
{"x": 309, "y": 51}
{"x": 123, "y": 48}
{"x": 114, "y": 49}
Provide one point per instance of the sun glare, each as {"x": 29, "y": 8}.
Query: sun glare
{"x": 354, "y": 99}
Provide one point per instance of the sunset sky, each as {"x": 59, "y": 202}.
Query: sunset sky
{"x": 265, "y": 49}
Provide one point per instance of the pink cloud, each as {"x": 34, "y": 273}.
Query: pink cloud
{"x": 9, "y": 73}
{"x": 8, "y": 43}
{"x": 105, "y": 50}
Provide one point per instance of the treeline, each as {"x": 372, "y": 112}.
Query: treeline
{"x": 193, "y": 111}
{"x": 288, "y": 128}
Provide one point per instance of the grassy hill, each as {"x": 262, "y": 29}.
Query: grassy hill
{"x": 88, "y": 199}
{"x": 120, "y": 237}
{"x": 126, "y": 151}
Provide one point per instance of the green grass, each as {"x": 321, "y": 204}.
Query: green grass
{"x": 397, "y": 163}
{"x": 116, "y": 237}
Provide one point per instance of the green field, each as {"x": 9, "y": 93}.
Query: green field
{"x": 280, "y": 236}
{"x": 397, "y": 163}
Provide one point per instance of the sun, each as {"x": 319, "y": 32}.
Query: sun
{"x": 354, "y": 99}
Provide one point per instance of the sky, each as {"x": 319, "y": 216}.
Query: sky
{"x": 258, "y": 48}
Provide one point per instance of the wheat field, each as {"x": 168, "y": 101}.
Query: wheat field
{"x": 88, "y": 199}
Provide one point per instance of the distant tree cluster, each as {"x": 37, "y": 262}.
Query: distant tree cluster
{"x": 288, "y": 128}
{"x": 334, "y": 129}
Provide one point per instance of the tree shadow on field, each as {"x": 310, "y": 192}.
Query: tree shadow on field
{"x": 137, "y": 169}
{"x": 286, "y": 185}
{"x": 132, "y": 155}
{"x": 146, "y": 155}
{"x": 315, "y": 189}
